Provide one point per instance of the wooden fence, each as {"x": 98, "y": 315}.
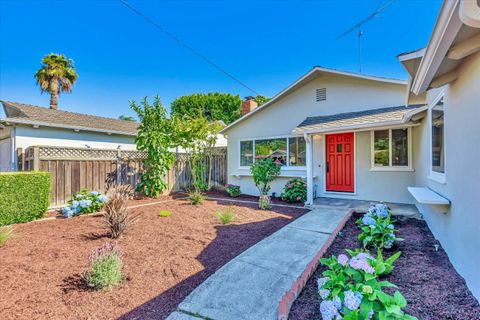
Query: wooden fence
{"x": 73, "y": 169}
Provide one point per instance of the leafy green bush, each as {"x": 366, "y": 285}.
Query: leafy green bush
{"x": 295, "y": 190}
{"x": 377, "y": 229}
{"x": 264, "y": 171}
{"x": 24, "y": 196}
{"x": 226, "y": 216}
{"x": 233, "y": 190}
{"x": 84, "y": 202}
{"x": 105, "y": 267}
{"x": 5, "y": 234}
{"x": 350, "y": 288}
{"x": 196, "y": 197}
{"x": 165, "y": 213}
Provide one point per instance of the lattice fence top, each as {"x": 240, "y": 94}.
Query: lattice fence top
{"x": 69, "y": 153}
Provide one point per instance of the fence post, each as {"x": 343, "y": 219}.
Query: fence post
{"x": 36, "y": 159}
{"x": 118, "y": 179}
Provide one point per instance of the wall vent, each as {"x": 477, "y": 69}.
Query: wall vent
{"x": 321, "y": 94}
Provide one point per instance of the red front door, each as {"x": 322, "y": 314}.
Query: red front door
{"x": 340, "y": 162}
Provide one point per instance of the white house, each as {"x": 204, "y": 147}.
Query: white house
{"x": 28, "y": 125}
{"x": 371, "y": 138}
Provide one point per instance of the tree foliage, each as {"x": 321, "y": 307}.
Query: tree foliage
{"x": 213, "y": 106}
{"x": 156, "y": 136}
{"x": 126, "y": 118}
{"x": 264, "y": 171}
{"x": 56, "y": 75}
{"x": 261, "y": 99}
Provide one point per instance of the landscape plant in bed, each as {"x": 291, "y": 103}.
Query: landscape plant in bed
{"x": 225, "y": 216}
{"x": 377, "y": 227}
{"x": 196, "y": 197}
{"x": 233, "y": 190}
{"x": 264, "y": 172}
{"x": 165, "y": 213}
{"x": 105, "y": 269}
{"x": 295, "y": 190}
{"x": 116, "y": 215}
{"x": 84, "y": 202}
{"x": 350, "y": 288}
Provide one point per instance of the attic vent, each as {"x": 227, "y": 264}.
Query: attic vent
{"x": 321, "y": 94}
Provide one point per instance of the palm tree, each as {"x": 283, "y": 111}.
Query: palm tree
{"x": 56, "y": 75}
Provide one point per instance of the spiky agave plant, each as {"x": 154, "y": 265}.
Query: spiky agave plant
{"x": 56, "y": 75}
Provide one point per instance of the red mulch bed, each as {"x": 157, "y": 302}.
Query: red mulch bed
{"x": 245, "y": 197}
{"x": 165, "y": 259}
{"x": 425, "y": 276}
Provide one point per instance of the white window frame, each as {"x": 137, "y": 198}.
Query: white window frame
{"x": 434, "y": 175}
{"x": 284, "y": 167}
{"x": 390, "y": 167}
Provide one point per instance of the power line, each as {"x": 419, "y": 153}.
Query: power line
{"x": 186, "y": 46}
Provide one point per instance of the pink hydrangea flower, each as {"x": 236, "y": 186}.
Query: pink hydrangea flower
{"x": 343, "y": 259}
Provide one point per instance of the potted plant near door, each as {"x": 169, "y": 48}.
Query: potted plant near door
{"x": 264, "y": 171}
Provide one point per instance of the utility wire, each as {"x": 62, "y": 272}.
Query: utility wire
{"x": 186, "y": 46}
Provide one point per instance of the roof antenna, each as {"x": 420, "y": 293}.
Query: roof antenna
{"x": 359, "y": 25}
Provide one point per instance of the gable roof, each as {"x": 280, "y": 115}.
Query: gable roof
{"x": 26, "y": 114}
{"x": 307, "y": 77}
{"x": 359, "y": 119}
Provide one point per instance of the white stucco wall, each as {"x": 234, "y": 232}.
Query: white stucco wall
{"x": 5, "y": 155}
{"x": 344, "y": 94}
{"x": 457, "y": 227}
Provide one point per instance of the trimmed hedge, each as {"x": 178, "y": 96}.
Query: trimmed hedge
{"x": 24, "y": 196}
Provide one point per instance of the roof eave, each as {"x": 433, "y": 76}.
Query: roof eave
{"x": 54, "y": 125}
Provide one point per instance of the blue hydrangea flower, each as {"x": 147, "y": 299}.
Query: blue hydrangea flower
{"x": 67, "y": 212}
{"x": 368, "y": 221}
{"x": 382, "y": 210}
{"x": 342, "y": 259}
{"x": 74, "y": 204}
{"x": 76, "y": 210}
{"x": 322, "y": 281}
{"x": 85, "y": 203}
{"x": 352, "y": 299}
{"x": 94, "y": 193}
{"x": 102, "y": 199}
{"x": 390, "y": 226}
{"x": 79, "y": 196}
{"x": 328, "y": 310}
{"x": 324, "y": 293}
{"x": 337, "y": 302}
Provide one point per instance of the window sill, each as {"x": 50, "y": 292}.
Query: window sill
{"x": 390, "y": 169}
{"x": 437, "y": 178}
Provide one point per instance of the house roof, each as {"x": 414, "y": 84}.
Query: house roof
{"x": 360, "y": 119}
{"x": 26, "y": 114}
{"x": 307, "y": 77}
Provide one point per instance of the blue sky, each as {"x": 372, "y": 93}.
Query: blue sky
{"x": 266, "y": 44}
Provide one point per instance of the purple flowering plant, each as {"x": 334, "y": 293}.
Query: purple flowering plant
{"x": 351, "y": 289}
{"x": 295, "y": 190}
{"x": 84, "y": 202}
{"x": 233, "y": 190}
{"x": 377, "y": 227}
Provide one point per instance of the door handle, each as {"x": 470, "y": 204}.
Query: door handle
{"x": 328, "y": 167}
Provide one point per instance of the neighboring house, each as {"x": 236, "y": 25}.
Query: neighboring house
{"x": 325, "y": 128}
{"x": 361, "y": 137}
{"x": 26, "y": 125}
{"x": 448, "y": 153}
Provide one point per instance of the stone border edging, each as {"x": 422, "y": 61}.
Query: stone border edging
{"x": 287, "y": 300}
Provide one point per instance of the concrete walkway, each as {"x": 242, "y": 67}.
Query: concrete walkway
{"x": 251, "y": 285}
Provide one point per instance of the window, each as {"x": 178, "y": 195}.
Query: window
{"x": 246, "y": 153}
{"x": 437, "y": 116}
{"x": 290, "y": 151}
{"x": 391, "y": 148}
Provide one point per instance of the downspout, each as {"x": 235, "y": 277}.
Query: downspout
{"x": 309, "y": 162}
{"x": 13, "y": 138}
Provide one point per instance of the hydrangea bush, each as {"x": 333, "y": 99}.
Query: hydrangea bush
{"x": 350, "y": 289}
{"x": 295, "y": 190}
{"x": 377, "y": 229}
{"x": 233, "y": 190}
{"x": 84, "y": 202}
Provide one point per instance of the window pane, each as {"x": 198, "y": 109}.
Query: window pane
{"x": 380, "y": 148}
{"x": 272, "y": 148}
{"x": 438, "y": 147}
{"x": 297, "y": 151}
{"x": 400, "y": 147}
{"x": 246, "y": 153}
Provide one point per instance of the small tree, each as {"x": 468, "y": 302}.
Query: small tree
{"x": 264, "y": 172}
{"x": 156, "y": 136}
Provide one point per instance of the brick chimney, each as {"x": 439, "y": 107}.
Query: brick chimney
{"x": 248, "y": 105}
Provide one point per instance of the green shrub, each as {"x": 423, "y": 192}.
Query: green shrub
{"x": 377, "y": 227}
{"x": 5, "y": 234}
{"x": 105, "y": 267}
{"x": 295, "y": 190}
{"x": 24, "y": 196}
{"x": 165, "y": 213}
{"x": 233, "y": 190}
{"x": 264, "y": 172}
{"x": 196, "y": 197}
{"x": 226, "y": 216}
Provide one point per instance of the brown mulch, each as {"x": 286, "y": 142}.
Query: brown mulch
{"x": 423, "y": 274}
{"x": 245, "y": 197}
{"x": 41, "y": 266}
